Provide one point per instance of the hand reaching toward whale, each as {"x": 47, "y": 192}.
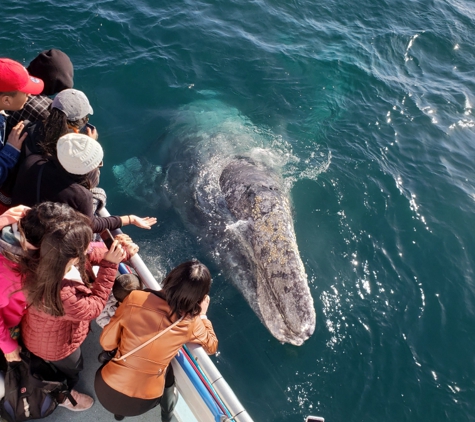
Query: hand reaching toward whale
{"x": 143, "y": 223}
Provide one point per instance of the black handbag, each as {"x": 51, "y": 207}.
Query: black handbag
{"x": 33, "y": 389}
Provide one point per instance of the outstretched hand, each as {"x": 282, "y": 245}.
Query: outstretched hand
{"x": 143, "y": 223}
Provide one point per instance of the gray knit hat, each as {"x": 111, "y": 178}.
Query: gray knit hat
{"x": 73, "y": 103}
{"x": 79, "y": 154}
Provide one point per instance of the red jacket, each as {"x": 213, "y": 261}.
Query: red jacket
{"x": 54, "y": 338}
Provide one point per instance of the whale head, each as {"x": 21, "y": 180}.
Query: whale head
{"x": 282, "y": 298}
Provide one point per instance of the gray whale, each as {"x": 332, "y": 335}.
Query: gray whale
{"x": 222, "y": 175}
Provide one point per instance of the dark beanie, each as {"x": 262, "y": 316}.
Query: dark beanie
{"x": 55, "y": 69}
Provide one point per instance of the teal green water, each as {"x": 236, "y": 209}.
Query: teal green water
{"x": 368, "y": 107}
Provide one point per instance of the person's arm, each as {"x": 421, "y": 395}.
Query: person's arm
{"x": 142, "y": 222}
{"x": 203, "y": 332}
{"x": 12, "y": 302}
{"x": 81, "y": 199}
{"x": 82, "y": 304}
{"x": 97, "y": 250}
{"x": 8, "y": 158}
{"x": 99, "y": 224}
{"x": 10, "y": 153}
{"x": 10, "y": 347}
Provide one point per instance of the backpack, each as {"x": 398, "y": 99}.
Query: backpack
{"x": 33, "y": 389}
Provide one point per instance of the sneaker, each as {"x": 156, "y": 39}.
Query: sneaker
{"x": 84, "y": 402}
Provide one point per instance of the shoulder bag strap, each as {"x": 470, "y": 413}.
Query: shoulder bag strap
{"x": 148, "y": 341}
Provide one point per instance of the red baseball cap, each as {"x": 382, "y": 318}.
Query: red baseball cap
{"x": 14, "y": 77}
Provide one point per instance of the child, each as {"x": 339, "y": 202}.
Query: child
{"x": 15, "y": 85}
{"x": 123, "y": 285}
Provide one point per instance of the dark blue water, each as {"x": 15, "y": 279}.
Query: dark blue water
{"x": 368, "y": 107}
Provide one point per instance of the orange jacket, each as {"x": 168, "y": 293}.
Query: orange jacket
{"x": 140, "y": 317}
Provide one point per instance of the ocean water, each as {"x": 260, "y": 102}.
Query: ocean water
{"x": 368, "y": 109}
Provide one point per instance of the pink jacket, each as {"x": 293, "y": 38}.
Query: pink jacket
{"x": 12, "y": 304}
{"x": 54, "y": 338}
{"x": 12, "y": 299}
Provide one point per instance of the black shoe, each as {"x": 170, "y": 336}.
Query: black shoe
{"x": 119, "y": 417}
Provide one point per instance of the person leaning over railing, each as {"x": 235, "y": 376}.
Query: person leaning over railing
{"x": 21, "y": 232}
{"x": 64, "y": 296}
{"x": 140, "y": 376}
{"x": 68, "y": 178}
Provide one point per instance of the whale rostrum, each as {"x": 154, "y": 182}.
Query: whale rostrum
{"x": 282, "y": 298}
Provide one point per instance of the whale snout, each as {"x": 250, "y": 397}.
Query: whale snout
{"x": 284, "y": 302}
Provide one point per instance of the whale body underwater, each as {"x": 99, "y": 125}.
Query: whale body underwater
{"x": 237, "y": 205}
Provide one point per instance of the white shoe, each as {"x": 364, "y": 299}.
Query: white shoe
{"x": 84, "y": 402}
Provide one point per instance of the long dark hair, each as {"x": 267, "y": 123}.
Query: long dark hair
{"x": 43, "y": 277}
{"x": 185, "y": 287}
{"x": 55, "y": 126}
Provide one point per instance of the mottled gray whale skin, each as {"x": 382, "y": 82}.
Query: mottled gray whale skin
{"x": 254, "y": 194}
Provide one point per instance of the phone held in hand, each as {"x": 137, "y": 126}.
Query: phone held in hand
{"x": 88, "y": 125}
{"x": 107, "y": 237}
{"x": 314, "y": 419}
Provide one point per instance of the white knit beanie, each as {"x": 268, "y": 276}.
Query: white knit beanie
{"x": 79, "y": 154}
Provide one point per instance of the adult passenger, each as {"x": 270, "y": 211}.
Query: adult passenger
{"x": 137, "y": 380}
{"x": 68, "y": 179}
{"x": 69, "y": 113}
{"x": 64, "y": 296}
{"x": 21, "y": 232}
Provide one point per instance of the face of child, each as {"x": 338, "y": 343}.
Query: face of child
{"x": 14, "y": 102}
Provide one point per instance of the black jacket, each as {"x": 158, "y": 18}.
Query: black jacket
{"x": 40, "y": 179}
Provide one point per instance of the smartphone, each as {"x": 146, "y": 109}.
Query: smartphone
{"x": 314, "y": 419}
{"x": 88, "y": 125}
{"x": 107, "y": 237}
